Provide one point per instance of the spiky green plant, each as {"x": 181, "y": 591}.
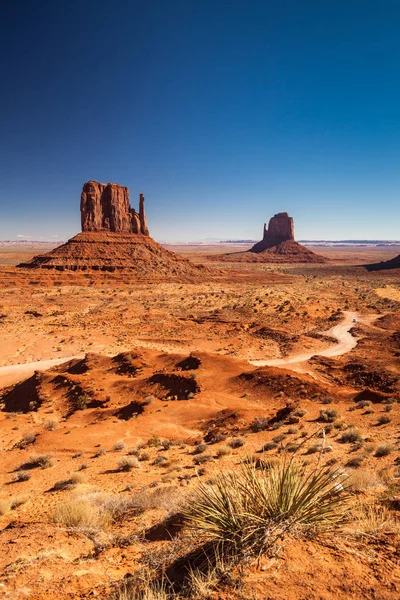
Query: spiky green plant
{"x": 253, "y": 507}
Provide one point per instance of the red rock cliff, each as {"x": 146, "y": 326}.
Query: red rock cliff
{"x": 280, "y": 229}
{"x": 106, "y": 207}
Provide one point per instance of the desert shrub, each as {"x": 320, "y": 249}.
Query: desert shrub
{"x": 373, "y": 519}
{"x": 314, "y": 448}
{"x": 217, "y": 437}
{"x": 279, "y": 438}
{"x": 50, "y": 425}
{"x": 351, "y": 435}
{"x": 384, "y": 420}
{"x": 127, "y": 463}
{"x": 300, "y": 412}
{"x": 292, "y": 447}
{"x": 22, "y": 476}
{"x": 251, "y": 508}
{"x": 79, "y": 512}
{"x": 5, "y": 507}
{"x": 356, "y": 461}
{"x": 363, "y": 480}
{"x": 143, "y": 589}
{"x": 259, "y": 424}
{"x": 199, "y": 460}
{"x": 388, "y": 407}
{"x": 118, "y": 446}
{"x": 328, "y": 415}
{"x": 277, "y": 425}
{"x": 236, "y": 443}
{"x": 339, "y": 424}
{"x": 224, "y": 451}
{"x": 100, "y": 452}
{"x": 148, "y": 400}
{"x": 29, "y": 438}
{"x": 81, "y": 402}
{"x": 364, "y": 403}
{"x": 17, "y": 501}
{"x": 369, "y": 411}
{"x": 154, "y": 441}
{"x": 37, "y": 460}
{"x": 143, "y": 456}
{"x": 384, "y": 450}
{"x": 161, "y": 460}
{"x": 292, "y": 420}
{"x": 68, "y": 484}
{"x": 327, "y": 401}
{"x": 292, "y": 430}
{"x": 166, "y": 444}
{"x": 199, "y": 448}
{"x": 269, "y": 446}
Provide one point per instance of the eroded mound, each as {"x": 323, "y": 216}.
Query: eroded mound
{"x": 108, "y": 251}
{"x": 285, "y": 252}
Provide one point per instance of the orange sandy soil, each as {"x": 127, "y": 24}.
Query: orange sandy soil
{"x": 168, "y": 362}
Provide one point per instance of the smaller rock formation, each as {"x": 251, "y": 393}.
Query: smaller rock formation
{"x": 106, "y": 207}
{"x": 393, "y": 263}
{"x": 280, "y": 229}
{"x": 277, "y": 246}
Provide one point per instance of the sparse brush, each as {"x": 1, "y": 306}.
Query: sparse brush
{"x": 300, "y": 412}
{"x": 161, "y": 460}
{"x": 363, "y": 480}
{"x": 5, "y": 507}
{"x": 384, "y": 420}
{"x": 100, "y": 452}
{"x": 269, "y": 446}
{"x": 279, "y": 438}
{"x": 252, "y": 508}
{"x": 356, "y": 461}
{"x": 327, "y": 401}
{"x": 127, "y": 463}
{"x": 120, "y": 445}
{"x": 351, "y": 435}
{"x": 314, "y": 448}
{"x": 388, "y": 407}
{"x": 236, "y": 443}
{"x": 22, "y": 476}
{"x": 50, "y": 425}
{"x": 37, "y": 460}
{"x": 29, "y": 438}
{"x": 224, "y": 451}
{"x": 199, "y": 460}
{"x": 17, "y": 501}
{"x": 79, "y": 513}
{"x": 373, "y": 519}
{"x": 364, "y": 403}
{"x": 259, "y": 424}
{"x": 328, "y": 415}
{"x": 384, "y": 450}
{"x": 292, "y": 430}
{"x": 199, "y": 449}
{"x": 68, "y": 484}
{"x": 143, "y": 589}
{"x": 143, "y": 456}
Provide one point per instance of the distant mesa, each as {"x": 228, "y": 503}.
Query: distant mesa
{"x": 277, "y": 246}
{"x": 114, "y": 238}
{"x": 280, "y": 229}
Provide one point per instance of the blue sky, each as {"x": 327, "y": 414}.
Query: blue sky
{"x": 221, "y": 112}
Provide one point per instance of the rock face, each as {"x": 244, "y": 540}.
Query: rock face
{"x": 115, "y": 238}
{"x": 106, "y": 207}
{"x": 280, "y": 229}
{"x": 277, "y": 246}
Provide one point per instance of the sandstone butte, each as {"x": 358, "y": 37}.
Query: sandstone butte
{"x": 277, "y": 246}
{"x": 114, "y": 237}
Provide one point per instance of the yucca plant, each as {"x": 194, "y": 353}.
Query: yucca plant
{"x": 253, "y": 507}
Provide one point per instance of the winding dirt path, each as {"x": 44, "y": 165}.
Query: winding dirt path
{"x": 10, "y": 374}
{"x": 340, "y": 332}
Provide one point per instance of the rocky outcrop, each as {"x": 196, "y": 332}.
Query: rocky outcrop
{"x": 106, "y": 207}
{"x": 280, "y": 229}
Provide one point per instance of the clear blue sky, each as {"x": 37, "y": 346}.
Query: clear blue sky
{"x": 221, "y": 112}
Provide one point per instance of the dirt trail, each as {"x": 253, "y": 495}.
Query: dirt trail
{"x": 341, "y": 333}
{"x": 10, "y": 374}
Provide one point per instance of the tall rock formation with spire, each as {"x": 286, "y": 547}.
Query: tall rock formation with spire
{"x": 106, "y": 207}
{"x": 280, "y": 229}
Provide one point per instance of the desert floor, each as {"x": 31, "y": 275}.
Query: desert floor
{"x": 151, "y": 371}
